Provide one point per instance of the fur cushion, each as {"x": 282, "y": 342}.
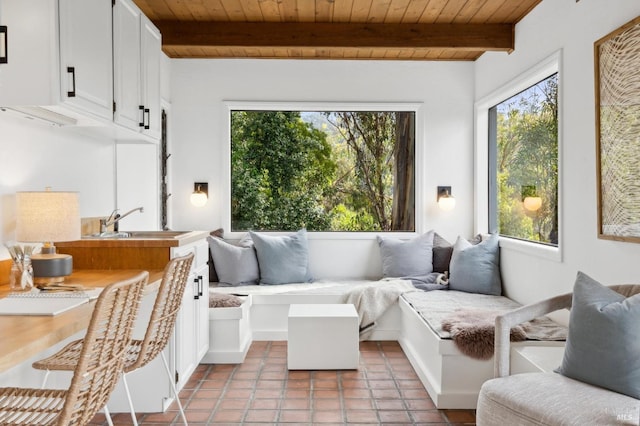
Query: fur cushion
{"x": 219, "y": 300}
{"x": 473, "y": 330}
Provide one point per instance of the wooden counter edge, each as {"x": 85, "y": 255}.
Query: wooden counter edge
{"x": 25, "y": 336}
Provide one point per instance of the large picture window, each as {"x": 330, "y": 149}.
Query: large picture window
{"x": 323, "y": 170}
{"x": 523, "y": 164}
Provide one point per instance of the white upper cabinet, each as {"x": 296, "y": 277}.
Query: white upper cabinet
{"x": 59, "y": 56}
{"x": 126, "y": 61}
{"x": 151, "y": 51}
{"x": 137, "y": 47}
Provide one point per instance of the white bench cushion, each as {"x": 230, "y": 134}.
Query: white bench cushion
{"x": 434, "y": 306}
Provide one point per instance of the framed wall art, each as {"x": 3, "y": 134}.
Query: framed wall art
{"x": 617, "y": 89}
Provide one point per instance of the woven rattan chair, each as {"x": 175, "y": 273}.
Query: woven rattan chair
{"x": 156, "y": 338}
{"x": 100, "y": 360}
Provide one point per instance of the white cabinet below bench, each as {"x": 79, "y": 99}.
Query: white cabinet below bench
{"x": 229, "y": 334}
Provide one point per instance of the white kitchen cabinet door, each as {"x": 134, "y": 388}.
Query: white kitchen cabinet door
{"x": 192, "y": 325}
{"x": 59, "y": 56}
{"x": 86, "y": 55}
{"x": 126, "y": 60}
{"x": 202, "y": 312}
{"x": 151, "y": 50}
{"x": 137, "y": 47}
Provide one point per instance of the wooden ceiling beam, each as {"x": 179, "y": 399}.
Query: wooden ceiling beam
{"x": 496, "y": 37}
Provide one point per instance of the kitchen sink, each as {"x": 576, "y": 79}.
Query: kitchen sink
{"x": 140, "y": 235}
{"x": 155, "y": 234}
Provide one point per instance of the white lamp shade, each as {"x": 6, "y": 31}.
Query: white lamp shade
{"x": 532, "y": 203}
{"x": 447, "y": 203}
{"x": 47, "y": 216}
{"x": 198, "y": 198}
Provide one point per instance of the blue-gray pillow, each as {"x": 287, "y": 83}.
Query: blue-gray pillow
{"x": 407, "y": 259}
{"x": 235, "y": 265}
{"x": 476, "y": 268}
{"x": 603, "y": 344}
{"x": 282, "y": 259}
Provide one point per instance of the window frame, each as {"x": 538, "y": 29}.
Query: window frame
{"x": 484, "y": 171}
{"x": 416, "y": 107}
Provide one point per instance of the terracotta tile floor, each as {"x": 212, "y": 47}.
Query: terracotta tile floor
{"x": 384, "y": 390}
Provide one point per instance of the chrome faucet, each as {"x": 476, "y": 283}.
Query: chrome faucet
{"x": 114, "y": 218}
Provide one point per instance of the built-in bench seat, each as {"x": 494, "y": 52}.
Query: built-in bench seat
{"x": 263, "y": 316}
{"x": 452, "y": 379}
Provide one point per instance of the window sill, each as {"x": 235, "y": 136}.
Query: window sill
{"x": 532, "y": 249}
{"x": 327, "y": 236}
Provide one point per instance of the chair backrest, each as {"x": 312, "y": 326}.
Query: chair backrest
{"x": 165, "y": 311}
{"x": 103, "y": 350}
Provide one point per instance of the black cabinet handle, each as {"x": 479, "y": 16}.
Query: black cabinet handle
{"x": 4, "y": 45}
{"x": 196, "y": 293}
{"x": 148, "y": 121}
{"x": 141, "y": 108}
{"x": 72, "y": 92}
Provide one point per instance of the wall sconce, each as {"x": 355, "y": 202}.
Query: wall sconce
{"x": 200, "y": 194}
{"x": 4, "y": 46}
{"x": 531, "y": 201}
{"x": 446, "y": 201}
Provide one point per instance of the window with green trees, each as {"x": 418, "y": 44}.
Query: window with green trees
{"x": 523, "y": 164}
{"x": 322, "y": 170}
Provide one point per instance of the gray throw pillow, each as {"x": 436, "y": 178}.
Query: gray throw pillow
{"x": 603, "y": 345}
{"x": 442, "y": 250}
{"x": 476, "y": 268}
{"x": 282, "y": 259}
{"x": 213, "y": 275}
{"x": 407, "y": 259}
{"x": 234, "y": 265}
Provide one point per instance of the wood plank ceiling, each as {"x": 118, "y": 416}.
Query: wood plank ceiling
{"x": 336, "y": 29}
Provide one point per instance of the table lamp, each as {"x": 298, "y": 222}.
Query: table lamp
{"x": 48, "y": 217}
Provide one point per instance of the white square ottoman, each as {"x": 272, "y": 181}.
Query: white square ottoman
{"x": 323, "y": 337}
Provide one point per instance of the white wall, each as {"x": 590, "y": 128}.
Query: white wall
{"x": 198, "y": 116}
{"x": 572, "y": 27}
{"x": 34, "y": 156}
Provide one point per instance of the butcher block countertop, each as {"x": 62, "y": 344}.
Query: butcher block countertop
{"x": 148, "y": 250}
{"x": 138, "y": 239}
{"x": 25, "y": 336}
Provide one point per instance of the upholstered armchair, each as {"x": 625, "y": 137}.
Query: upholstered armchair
{"x": 556, "y": 399}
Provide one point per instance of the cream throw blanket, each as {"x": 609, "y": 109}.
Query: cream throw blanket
{"x": 372, "y": 300}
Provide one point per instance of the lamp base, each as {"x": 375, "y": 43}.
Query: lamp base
{"x": 51, "y": 268}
